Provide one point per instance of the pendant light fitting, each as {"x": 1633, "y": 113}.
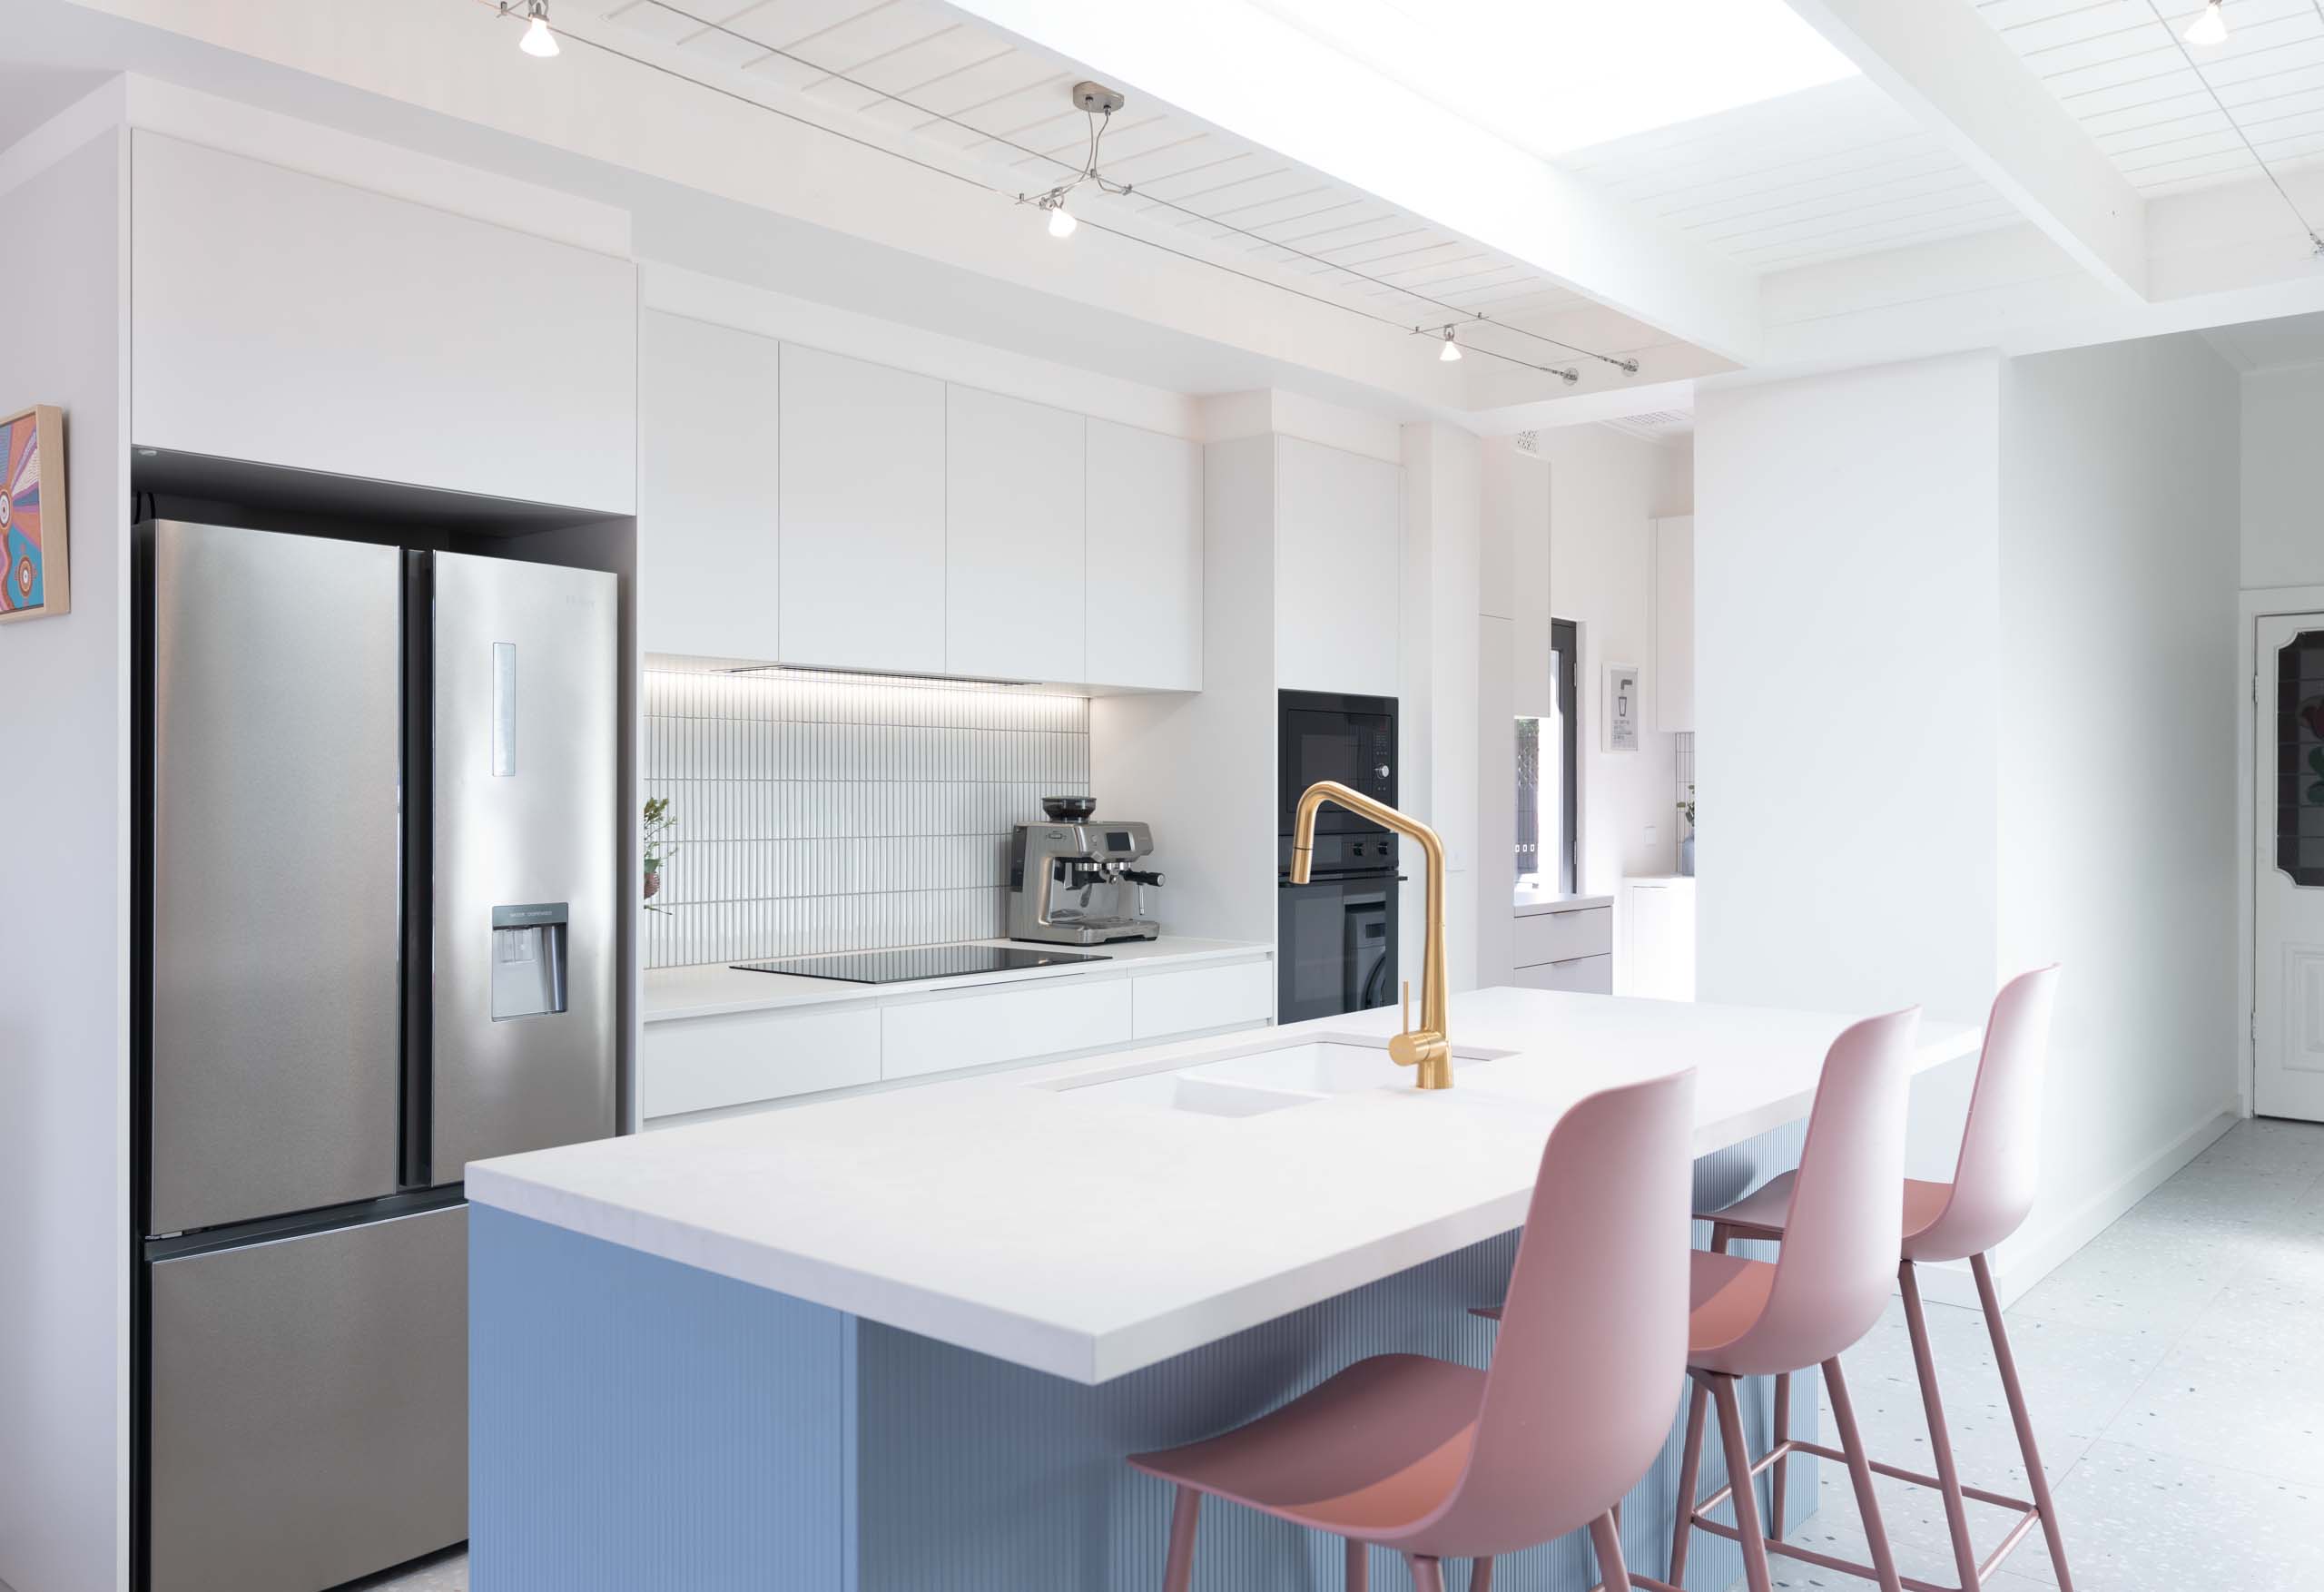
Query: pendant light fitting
{"x": 1098, "y": 103}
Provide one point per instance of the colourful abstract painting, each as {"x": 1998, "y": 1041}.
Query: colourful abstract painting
{"x": 32, "y": 515}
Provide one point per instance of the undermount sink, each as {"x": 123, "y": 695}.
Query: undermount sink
{"x": 1255, "y": 1081}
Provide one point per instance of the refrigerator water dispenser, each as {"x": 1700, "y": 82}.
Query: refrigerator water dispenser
{"x": 528, "y": 959}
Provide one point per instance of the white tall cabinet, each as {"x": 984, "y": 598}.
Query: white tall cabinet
{"x": 708, "y": 458}
{"x": 1339, "y": 567}
{"x": 1143, "y": 558}
{"x": 1014, "y": 499}
{"x": 861, "y": 526}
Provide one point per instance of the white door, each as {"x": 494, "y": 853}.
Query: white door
{"x": 2288, "y": 987}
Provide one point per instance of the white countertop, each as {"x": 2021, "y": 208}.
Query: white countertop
{"x": 1526, "y": 903}
{"x": 1088, "y": 1238}
{"x": 712, "y": 989}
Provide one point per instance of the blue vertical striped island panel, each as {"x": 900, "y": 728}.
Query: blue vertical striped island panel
{"x": 640, "y": 1425}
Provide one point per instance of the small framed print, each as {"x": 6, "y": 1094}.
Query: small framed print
{"x": 1622, "y": 710}
{"x": 37, "y": 583}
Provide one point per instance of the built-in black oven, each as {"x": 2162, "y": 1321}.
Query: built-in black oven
{"x": 1335, "y": 935}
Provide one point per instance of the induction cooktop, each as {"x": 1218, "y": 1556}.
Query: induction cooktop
{"x": 916, "y": 962}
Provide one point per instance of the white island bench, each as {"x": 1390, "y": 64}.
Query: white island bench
{"x": 901, "y": 1341}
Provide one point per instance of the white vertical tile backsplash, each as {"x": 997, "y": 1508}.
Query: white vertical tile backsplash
{"x": 829, "y": 812}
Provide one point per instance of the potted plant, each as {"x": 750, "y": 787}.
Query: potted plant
{"x": 658, "y": 850}
{"x": 1687, "y": 839}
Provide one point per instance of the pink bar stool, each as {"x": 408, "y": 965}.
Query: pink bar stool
{"x": 1436, "y": 1461}
{"x": 1754, "y": 1318}
{"x": 1992, "y": 1189}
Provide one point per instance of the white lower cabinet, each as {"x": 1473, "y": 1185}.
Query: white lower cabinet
{"x": 692, "y": 1063}
{"x": 700, "y": 1064}
{"x": 1197, "y": 998}
{"x": 1580, "y": 975}
{"x": 942, "y": 1033}
{"x": 1659, "y": 937}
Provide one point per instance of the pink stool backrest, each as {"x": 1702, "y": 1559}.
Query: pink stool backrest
{"x": 1591, "y": 1352}
{"x": 1994, "y": 1184}
{"x": 1846, "y": 1224}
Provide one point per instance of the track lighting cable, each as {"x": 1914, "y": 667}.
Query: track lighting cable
{"x": 2315, "y": 241}
{"x": 1053, "y": 199}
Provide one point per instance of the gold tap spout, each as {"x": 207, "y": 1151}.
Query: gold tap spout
{"x": 1427, "y": 1047}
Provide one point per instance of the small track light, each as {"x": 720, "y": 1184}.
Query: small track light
{"x": 1451, "y": 351}
{"x": 2210, "y": 28}
{"x": 538, "y": 41}
{"x": 1062, "y": 222}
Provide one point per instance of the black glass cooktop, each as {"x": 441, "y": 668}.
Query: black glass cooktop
{"x": 926, "y": 962}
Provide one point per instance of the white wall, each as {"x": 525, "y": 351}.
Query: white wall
{"x": 1847, "y": 685}
{"x": 1964, "y": 640}
{"x": 2118, "y": 854}
{"x": 2283, "y": 478}
{"x": 63, "y": 979}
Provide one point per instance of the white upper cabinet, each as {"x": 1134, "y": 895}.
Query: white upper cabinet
{"x": 1338, "y": 569}
{"x": 288, "y": 320}
{"x": 1013, "y": 501}
{"x": 707, "y": 433}
{"x": 1674, "y": 624}
{"x": 1144, "y": 558}
{"x": 863, "y": 515}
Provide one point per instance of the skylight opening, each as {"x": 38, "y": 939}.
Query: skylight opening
{"x": 1556, "y": 75}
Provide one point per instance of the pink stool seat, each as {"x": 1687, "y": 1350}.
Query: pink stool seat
{"x": 1377, "y": 1447}
{"x": 1761, "y": 1213}
{"x": 1725, "y": 1296}
{"x": 1437, "y": 1461}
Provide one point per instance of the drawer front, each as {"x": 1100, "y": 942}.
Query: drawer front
{"x": 697, "y": 1064}
{"x": 1581, "y": 974}
{"x": 1194, "y": 998}
{"x": 1561, "y": 937}
{"x": 945, "y": 1032}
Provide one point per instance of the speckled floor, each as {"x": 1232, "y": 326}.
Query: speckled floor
{"x": 2166, "y": 1367}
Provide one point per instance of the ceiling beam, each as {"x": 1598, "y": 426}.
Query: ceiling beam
{"x": 1239, "y": 68}
{"x": 1942, "y": 61}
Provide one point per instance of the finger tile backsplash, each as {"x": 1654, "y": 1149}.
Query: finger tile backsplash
{"x": 830, "y": 813}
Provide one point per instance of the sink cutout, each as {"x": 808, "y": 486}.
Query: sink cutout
{"x": 1253, "y": 1082}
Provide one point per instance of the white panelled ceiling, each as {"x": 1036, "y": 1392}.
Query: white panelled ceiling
{"x": 2147, "y": 99}
{"x": 1816, "y": 175}
{"x": 982, "y": 103}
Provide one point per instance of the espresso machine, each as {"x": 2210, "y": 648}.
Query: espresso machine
{"x": 1070, "y": 881}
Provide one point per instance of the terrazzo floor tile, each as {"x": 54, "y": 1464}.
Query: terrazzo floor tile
{"x": 2144, "y": 1281}
{"x": 2221, "y": 1406}
{"x": 2140, "y": 1521}
{"x": 2283, "y": 1148}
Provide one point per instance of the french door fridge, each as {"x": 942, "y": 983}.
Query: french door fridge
{"x": 378, "y": 821}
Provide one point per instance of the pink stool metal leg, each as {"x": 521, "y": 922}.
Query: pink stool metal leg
{"x": 1738, "y": 1470}
{"x": 1940, "y": 1440}
{"x": 1606, "y": 1536}
{"x": 1359, "y": 1567}
{"x": 2037, "y": 1480}
{"x": 1782, "y": 1472}
{"x": 1690, "y": 1472}
{"x": 1481, "y": 1576}
{"x": 1428, "y": 1574}
{"x": 1178, "y": 1570}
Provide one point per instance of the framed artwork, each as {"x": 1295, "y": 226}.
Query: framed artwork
{"x": 36, "y": 582}
{"x": 1619, "y": 715}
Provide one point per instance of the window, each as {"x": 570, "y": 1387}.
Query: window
{"x": 1548, "y": 766}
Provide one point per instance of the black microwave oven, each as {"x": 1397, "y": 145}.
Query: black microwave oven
{"x": 1324, "y": 735}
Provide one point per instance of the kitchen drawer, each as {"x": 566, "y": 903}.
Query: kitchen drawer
{"x": 1561, "y": 937}
{"x": 1052, "y": 1015}
{"x": 1581, "y": 974}
{"x": 696, "y": 1063}
{"x": 1194, "y": 998}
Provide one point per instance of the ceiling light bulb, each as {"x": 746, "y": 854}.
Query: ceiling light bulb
{"x": 1062, "y": 222}
{"x": 1452, "y": 349}
{"x": 537, "y": 40}
{"x": 2208, "y": 28}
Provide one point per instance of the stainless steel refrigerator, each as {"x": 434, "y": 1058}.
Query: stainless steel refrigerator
{"x": 379, "y": 833}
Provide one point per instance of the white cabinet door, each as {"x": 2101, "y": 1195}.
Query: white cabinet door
{"x": 1658, "y": 938}
{"x": 1143, "y": 559}
{"x": 1674, "y": 624}
{"x": 289, "y": 319}
{"x": 707, "y": 555}
{"x": 942, "y": 1033}
{"x": 1013, "y": 518}
{"x": 1339, "y": 518}
{"x": 700, "y": 1064}
{"x": 863, "y": 515}
{"x": 1194, "y": 998}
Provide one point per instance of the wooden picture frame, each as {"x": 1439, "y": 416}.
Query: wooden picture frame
{"x": 36, "y": 578}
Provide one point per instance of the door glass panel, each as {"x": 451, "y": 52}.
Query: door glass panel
{"x": 2300, "y": 759}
